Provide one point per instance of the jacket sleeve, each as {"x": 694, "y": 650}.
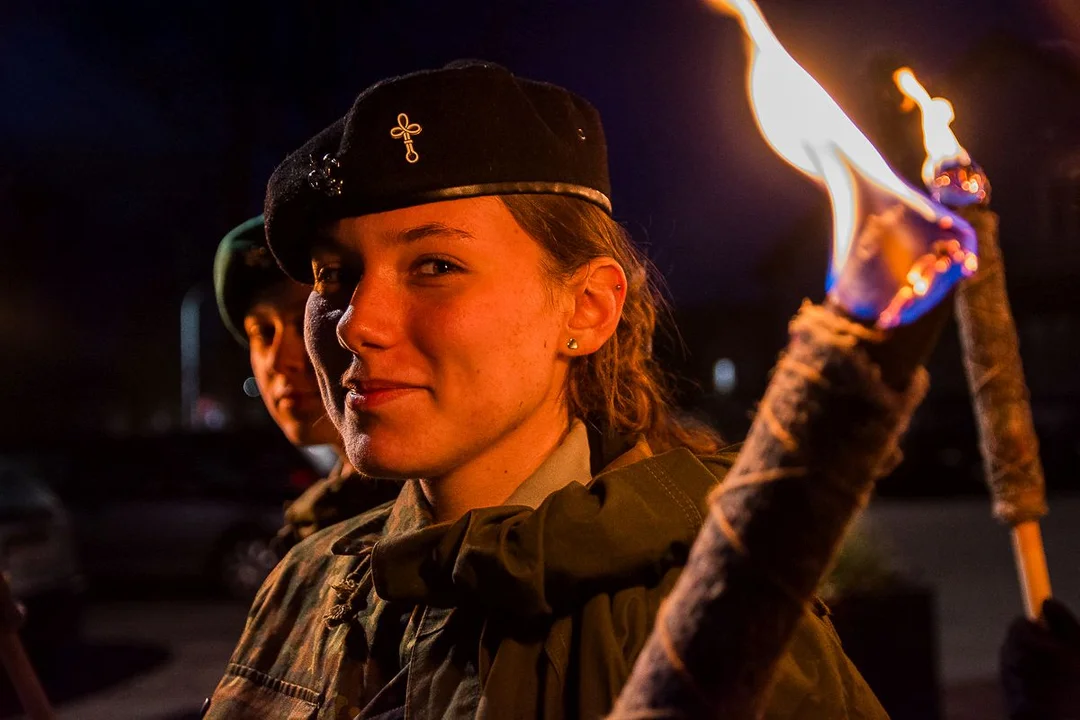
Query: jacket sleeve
{"x": 814, "y": 680}
{"x": 614, "y": 629}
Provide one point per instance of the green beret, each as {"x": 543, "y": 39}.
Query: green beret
{"x": 243, "y": 266}
{"x": 468, "y": 129}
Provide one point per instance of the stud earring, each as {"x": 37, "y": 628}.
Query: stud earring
{"x": 571, "y": 344}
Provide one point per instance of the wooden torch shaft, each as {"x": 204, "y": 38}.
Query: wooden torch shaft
{"x": 14, "y": 659}
{"x": 1007, "y": 440}
{"x": 1031, "y": 566}
{"x": 27, "y": 687}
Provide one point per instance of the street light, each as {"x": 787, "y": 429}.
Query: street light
{"x": 189, "y": 355}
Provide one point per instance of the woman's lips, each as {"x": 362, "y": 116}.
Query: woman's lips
{"x": 365, "y": 399}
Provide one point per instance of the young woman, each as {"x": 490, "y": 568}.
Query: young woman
{"x": 481, "y": 326}
{"x": 264, "y": 310}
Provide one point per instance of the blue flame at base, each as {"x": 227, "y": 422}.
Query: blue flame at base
{"x": 901, "y": 265}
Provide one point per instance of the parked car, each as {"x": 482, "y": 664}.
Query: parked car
{"x": 37, "y": 557}
{"x": 188, "y": 507}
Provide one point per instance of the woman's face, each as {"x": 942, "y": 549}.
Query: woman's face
{"x": 286, "y": 380}
{"x": 436, "y": 337}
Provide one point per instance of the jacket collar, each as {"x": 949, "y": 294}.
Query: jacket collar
{"x": 631, "y": 525}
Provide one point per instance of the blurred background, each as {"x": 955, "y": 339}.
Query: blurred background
{"x": 139, "y": 484}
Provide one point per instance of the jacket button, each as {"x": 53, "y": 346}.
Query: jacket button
{"x": 205, "y": 708}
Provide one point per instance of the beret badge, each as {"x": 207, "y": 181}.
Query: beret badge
{"x": 321, "y": 176}
{"x": 404, "y": 131}
{"x": 470, "y": 129}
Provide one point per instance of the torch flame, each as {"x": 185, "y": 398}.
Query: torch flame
{"x": 941, "y": 144}
{"x": 809, "y": 130}
{"x": 948, "y": 172}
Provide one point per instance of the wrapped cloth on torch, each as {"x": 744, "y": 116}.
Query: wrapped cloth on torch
{"x": 1007, "y": 439}
{"x": 992, "y": 361}
{"x": 826, "y": 429}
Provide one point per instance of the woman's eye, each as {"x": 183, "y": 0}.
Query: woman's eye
{"x": 327, "y": 275}
{"x": 435, "y": 267}
{"x": 261, "y": 334}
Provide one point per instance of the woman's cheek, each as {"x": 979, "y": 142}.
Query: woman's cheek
{"x": 438, "y": 329}
{"x": 320, "y": 332}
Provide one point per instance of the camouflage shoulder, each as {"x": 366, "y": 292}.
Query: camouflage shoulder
{"x": 321, "y": 543}
{"x": 303, "y": 506}
{"x": 295, "y": 593}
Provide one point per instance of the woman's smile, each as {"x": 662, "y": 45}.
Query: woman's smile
{"x": 367, "y": 397}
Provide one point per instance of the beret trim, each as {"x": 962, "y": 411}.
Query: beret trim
{"x": 514, "y": 188}
{"x": 496, "y": 135}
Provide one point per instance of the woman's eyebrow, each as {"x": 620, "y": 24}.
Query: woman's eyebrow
{"x": 434, "y": 229}
{"x": 327, "y": 243}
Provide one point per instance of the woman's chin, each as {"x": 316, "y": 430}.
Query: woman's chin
{"x": 367, "y": 456}
{"x": 307, "y": 431}
{"x": 382, "y": 470}
{"x": 292, "y": 431}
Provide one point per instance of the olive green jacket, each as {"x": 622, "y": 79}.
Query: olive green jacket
{"x": 505, "y": 613}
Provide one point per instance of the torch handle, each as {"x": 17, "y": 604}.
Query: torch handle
{"x": 1031, "y": 566}
{"x": 1007, "y": 439}
{"x": 999, "y": 392}
{"x": 14, "y": 659}
{"x": 826, "y": 429}
{"x": 27, "y": 687}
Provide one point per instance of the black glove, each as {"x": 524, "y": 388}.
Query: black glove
{"x": 1040, "y": 666}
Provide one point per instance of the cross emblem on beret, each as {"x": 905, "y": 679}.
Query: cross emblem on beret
{"x": 405, "y": 131}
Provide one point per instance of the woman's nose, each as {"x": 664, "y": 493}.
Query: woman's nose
{"x": 370, "y": 320}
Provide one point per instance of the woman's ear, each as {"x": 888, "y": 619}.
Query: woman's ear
{"x": 599, "y": 293}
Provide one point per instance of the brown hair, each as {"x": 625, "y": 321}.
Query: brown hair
{"x": 619, "y": 387}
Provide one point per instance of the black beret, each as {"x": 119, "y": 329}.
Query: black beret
{"x": 468, "y": 129}
{"x": 243, "y": 266}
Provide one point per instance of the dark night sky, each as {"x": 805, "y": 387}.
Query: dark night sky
{"x": 134, "y": 135}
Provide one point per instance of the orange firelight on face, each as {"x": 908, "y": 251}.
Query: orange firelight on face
{"x": 870, "y": 273}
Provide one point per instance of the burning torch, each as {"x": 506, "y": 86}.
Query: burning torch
{"x": 1007, "y": 440}
{"x": 829, "y": 424}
